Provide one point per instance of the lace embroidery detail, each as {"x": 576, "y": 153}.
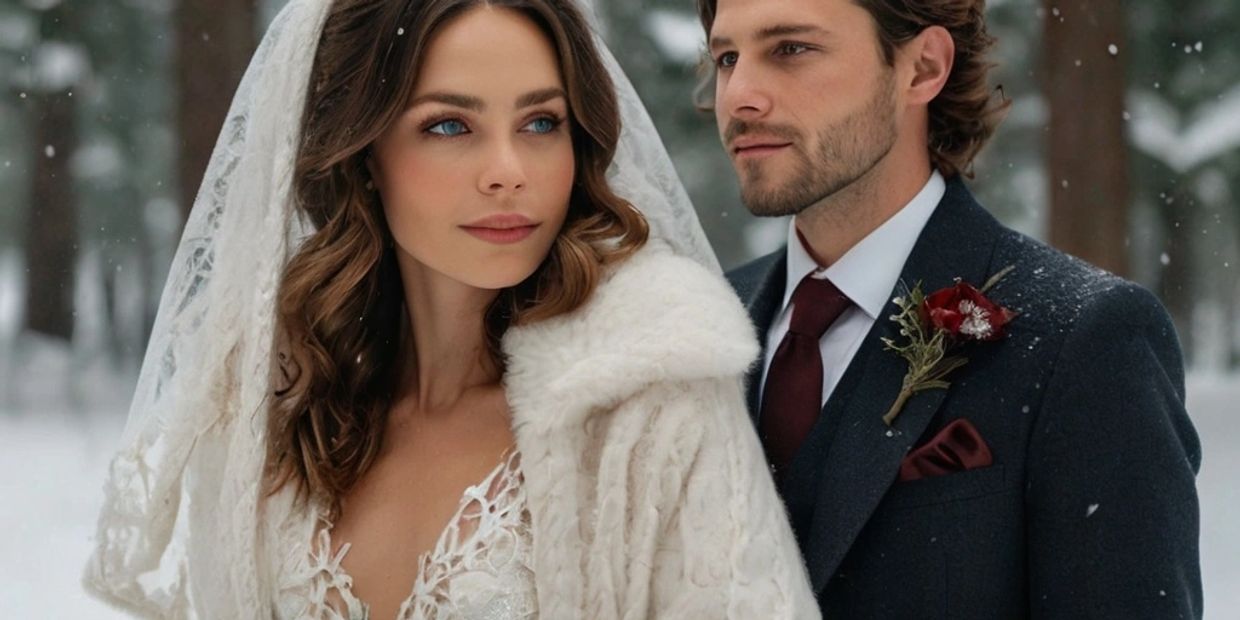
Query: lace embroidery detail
{"x": 478, "y": 569}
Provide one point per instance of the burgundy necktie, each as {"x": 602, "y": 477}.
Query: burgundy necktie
{"x": 792, "y": 397}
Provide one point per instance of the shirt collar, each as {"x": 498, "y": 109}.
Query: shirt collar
{"x": 868, "y": 272}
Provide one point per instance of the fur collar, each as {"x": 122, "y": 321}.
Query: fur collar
{"x": 655, "y": 317}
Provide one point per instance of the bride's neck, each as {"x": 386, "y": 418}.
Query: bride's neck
{"x": 446, "y": 354}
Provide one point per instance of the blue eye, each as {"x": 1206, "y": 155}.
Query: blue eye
{"x": 542, "y": 125}
{"x": 726, "y": 60}
{"x": 448, "y": 128}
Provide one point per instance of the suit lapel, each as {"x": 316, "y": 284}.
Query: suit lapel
{"x": 761, "y": 285}
{"x": 862, "y": 455}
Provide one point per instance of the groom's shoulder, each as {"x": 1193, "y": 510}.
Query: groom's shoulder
{"x": 747, "y": 278}
{"x": 1055, "y": 291}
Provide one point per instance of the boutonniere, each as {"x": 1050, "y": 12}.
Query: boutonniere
{"x": 936, "y": 327}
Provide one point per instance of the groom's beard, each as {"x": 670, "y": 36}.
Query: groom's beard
{"x": 847, "y": 151}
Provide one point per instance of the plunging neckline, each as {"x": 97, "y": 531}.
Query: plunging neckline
{"x": 494, "y": 490}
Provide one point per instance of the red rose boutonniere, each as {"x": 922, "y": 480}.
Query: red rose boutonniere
{"x": 936, "y": 326}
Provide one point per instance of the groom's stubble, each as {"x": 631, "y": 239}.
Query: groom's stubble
{"x": 846, "y": 151}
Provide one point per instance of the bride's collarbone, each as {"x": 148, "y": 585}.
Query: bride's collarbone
{"x": 403, "y": 503}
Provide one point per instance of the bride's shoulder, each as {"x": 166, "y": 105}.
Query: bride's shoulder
{"x": 668, "y": 303}
{"x": 658, "y": 275}
{"x": 654, "y": 317}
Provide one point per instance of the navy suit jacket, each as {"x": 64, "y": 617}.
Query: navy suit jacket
{"x": 1090, "y": 507}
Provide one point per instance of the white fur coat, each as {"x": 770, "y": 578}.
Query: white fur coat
{"x": 647, "y": 486}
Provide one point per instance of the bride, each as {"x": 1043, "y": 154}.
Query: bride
{"x": 443, "y": 339}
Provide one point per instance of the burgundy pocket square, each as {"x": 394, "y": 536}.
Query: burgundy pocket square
{"x": 958, "y": 447}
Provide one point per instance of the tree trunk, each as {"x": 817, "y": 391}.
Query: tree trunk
{"x": 1087, "y": 149}
{"x": 215, "y": 39}
{"x": 51, "y": 227}
{"x": 1177, "y": 281}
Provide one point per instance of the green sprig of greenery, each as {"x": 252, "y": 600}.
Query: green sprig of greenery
{"x": 925, "y": 352}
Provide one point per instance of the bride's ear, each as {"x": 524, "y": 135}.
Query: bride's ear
{"x": 372, "y": 169}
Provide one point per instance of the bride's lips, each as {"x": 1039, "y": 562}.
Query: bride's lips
{"x": 505, "y": 228}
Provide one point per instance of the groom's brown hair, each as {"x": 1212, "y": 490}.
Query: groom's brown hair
{"x": 966, "y": 113}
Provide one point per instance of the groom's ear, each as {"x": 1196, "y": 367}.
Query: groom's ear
{"x": 928, "y": 58}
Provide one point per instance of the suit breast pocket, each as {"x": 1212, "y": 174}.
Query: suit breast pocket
{"x": 959, "y": 486}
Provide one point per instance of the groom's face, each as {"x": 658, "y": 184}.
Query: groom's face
{"x": 804, "y": 99}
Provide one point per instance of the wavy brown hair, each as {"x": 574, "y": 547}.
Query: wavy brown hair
{"x": 341, "y": 316}
{"x": 966, "y": 113}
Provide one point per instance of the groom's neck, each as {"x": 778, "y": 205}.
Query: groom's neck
{"x": 834, "y": 225}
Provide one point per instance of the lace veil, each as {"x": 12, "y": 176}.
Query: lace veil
{"x": 192, "y": 451}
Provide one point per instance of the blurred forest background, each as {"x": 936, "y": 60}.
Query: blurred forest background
{"x": 1122, "y": 147}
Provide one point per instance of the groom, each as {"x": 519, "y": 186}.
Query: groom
{"x": 1049, "y": 472}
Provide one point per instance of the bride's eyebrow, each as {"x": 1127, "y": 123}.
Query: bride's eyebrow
{"x": 540, "y": 96}
{"x": 469, "y": 102}
{"x": 458, "y": 100}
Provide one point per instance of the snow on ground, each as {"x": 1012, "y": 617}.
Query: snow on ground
{"x": 54, "y": 464}
{"x": 53, "y": 461}
{"x": 1214, "y": 403}
{"x": 55, "y": 444}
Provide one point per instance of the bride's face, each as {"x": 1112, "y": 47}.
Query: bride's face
{"x": 475, "y": 176}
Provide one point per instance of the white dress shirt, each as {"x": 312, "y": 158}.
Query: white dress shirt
{"x": 866, "y": 274}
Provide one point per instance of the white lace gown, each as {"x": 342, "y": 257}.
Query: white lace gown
{"x": 478, "y": 570}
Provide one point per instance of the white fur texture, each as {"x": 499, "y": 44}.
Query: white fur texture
{"x": 647, "y": 486}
